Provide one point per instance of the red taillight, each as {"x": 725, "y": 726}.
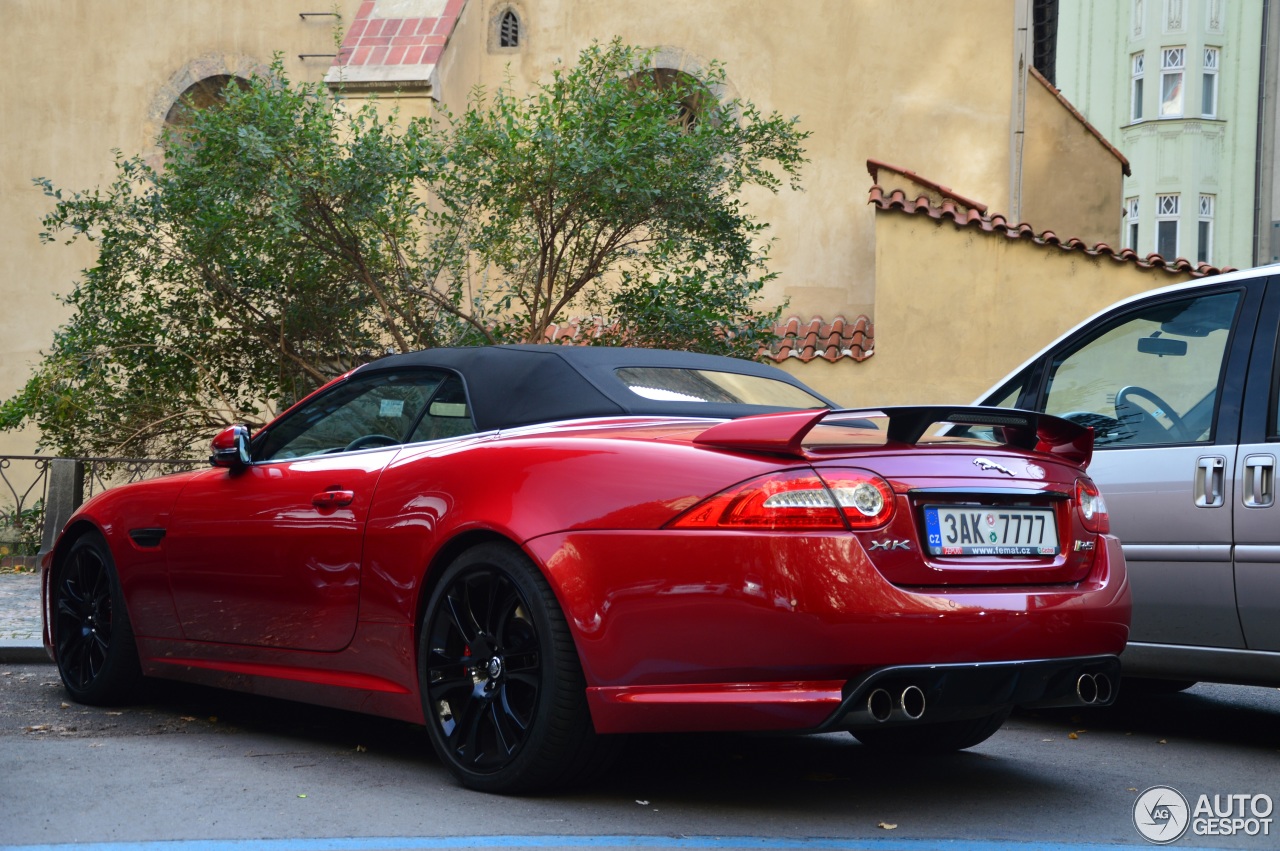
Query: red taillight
{"x": 796, "y": 499}
{"x": 1093, "y": 508}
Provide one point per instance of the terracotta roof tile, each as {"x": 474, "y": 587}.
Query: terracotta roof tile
{"x": 897, "y": 200}
{"x": 836, "y": 340}
{"x": 393, "y": 49}
{"x": 578, "y": 332}
{"x": 874, "y": 166}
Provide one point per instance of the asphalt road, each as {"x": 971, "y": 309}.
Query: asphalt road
{"x": 212, "y": 770}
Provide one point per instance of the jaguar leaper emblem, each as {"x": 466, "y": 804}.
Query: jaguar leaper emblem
{"x": 985, "y": 464}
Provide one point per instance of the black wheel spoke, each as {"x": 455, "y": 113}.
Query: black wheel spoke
{"x": 464, "y": 622}
{"x": 503, "y": 603}
{"x": 483, "y": 665}
{"x": 503, "y": 693}
{"x": 78, "y": 662}
{"x": 444, "y": 677}
{"x": 507, "y": 732}
{"x": 97, "y": 657}
{"x": 516, "y": 722}
{"x": 466, "y": 734}
{"x": 528, "y": 679}
{"x": 488, "y": 605}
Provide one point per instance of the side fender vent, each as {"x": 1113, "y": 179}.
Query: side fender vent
{"x": 147, "y": 538}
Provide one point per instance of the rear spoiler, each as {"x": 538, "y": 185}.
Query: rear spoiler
{"x": 784, "y": 433}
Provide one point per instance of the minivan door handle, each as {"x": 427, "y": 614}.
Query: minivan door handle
{"x": 1209, "y": 483}
{"x": 1259, "y": 481}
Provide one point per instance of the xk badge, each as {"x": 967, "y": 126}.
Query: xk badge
{"x": 890, "y": 545}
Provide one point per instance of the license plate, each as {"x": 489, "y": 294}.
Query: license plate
{"x": 960, "y": 530}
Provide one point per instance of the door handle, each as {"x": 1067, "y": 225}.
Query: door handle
{"x": 1209, "y": 481}
{"x": 1259, "y": 481}
{"x": 333, "y": 498}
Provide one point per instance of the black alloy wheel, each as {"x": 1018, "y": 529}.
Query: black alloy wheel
{"x": 502, "y": 688}
{"x": 93, "y": 640}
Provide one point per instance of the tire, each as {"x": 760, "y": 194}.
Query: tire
{"x": 93, "y": 639}
{"x": 502, "y": 688}
{"x": 944, "y": 737}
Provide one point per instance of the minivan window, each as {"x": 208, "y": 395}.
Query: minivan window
{"x": 1149, "y": 378}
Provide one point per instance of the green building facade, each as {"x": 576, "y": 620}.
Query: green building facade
{"x": 1175, "y": 85}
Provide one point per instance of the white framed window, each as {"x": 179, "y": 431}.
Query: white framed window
{"x": 1131, "y": 223}
{"x": 1135, "y": 108}
{"x": 1173, "y": 63}
{"x": 1204, "y": 236}
{"x": 1167, "y": 207}
{"x": 1209, "y": 94}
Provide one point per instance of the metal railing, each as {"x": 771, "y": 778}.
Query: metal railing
{"x": 38, "y": 494}
{"x": 24, "y": 490}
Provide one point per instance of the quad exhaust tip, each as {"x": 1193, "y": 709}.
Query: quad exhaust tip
{"x": 1094, "y": 688}
{"x": 881, "y": 705}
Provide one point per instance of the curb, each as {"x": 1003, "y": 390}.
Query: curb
{"x": 22, "y": 652}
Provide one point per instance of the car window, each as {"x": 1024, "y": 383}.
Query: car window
{"x": 447, "y": 414}
{"x": 1006, "y": 396}
{"x": 1149, "y": 377}
{"x": 380, "y": 409}
{"x": 669, "y": 384}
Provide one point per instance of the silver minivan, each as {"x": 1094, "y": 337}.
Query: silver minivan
{"x": 1181, "y": 387}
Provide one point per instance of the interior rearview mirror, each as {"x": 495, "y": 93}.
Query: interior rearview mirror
{"x": 1162, "y": 346}
{"x": 448, "y": 409}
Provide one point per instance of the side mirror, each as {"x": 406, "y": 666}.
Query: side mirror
{"x": 231, "y": 448}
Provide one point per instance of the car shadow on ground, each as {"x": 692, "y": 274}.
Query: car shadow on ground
{"x": 740, "y": 771}
{"x": 1248, "y": 716}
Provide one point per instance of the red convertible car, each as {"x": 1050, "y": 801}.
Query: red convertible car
{"x": 530, "y": 549}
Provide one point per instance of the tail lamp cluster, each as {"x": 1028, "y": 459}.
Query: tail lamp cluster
{"x": 1093, "y": 508}
{"x": 797, "y": 499}
{"x": 846, "y": 499}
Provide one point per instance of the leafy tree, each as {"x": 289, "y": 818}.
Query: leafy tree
{"x": 290, "y": 236}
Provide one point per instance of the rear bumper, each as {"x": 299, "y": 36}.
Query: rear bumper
{"x": 959, "y": 692}
{"x": 896, "y": 695}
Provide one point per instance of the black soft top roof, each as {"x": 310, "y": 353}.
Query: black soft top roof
{"x": 525, "y": 384}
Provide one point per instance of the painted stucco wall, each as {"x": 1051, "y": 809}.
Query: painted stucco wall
{"x": 1074, "y": 180}
{"x": 968, "y": 306}
{"x": 86, "y": 77}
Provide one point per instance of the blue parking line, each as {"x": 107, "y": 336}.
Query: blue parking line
{"x": 713, "y": 843}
